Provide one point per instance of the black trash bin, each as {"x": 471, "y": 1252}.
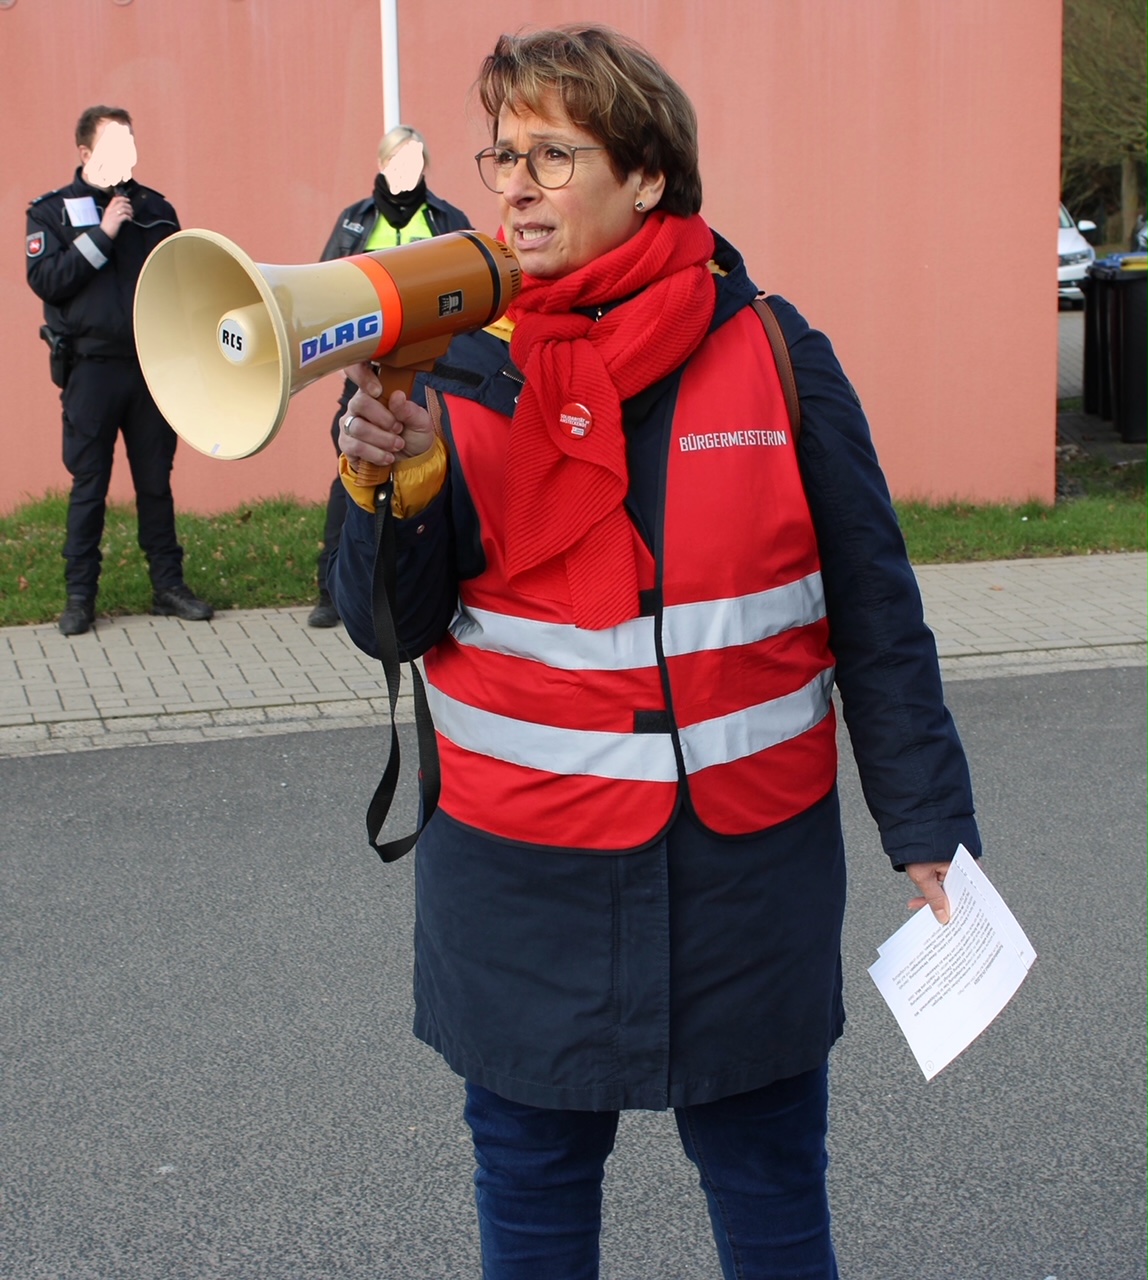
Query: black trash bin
{"x": 1116, "y": 343}
{"x": 1097, "y": 397}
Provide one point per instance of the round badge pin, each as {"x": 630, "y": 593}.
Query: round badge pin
{"x": 577, "y": 419}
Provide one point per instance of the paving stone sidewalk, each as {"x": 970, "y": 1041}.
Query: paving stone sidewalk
{"x": 139, "y": 680}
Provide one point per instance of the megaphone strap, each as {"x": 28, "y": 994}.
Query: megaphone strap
{"x": 392, "y": 658}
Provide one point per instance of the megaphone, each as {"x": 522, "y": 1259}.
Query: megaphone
{"x": 225, "y": 342}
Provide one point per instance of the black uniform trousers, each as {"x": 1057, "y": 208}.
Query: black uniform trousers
{"x": 105, "y": 396}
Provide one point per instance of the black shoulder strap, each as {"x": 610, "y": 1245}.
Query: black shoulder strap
{"x": 783, "y": 362}
{"x": 392, "y": 657}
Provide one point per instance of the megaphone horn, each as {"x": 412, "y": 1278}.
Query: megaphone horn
{"x": 225, "y": 342}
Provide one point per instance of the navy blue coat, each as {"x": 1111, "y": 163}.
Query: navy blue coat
{"x": 700, "y": 966}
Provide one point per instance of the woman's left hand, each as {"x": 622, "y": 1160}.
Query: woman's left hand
{"x": 929, "y": 877}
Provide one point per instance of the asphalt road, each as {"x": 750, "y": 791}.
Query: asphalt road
{"x": 207, "y": 1068}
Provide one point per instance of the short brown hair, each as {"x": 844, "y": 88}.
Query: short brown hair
{"x": 610, "y": 86}
{"x": 89, "y": 122}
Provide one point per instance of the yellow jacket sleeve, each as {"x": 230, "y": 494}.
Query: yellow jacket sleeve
{"x": 418, "y": 482}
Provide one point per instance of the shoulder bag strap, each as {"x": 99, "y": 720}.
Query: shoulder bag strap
{"x": 783, "y": 362}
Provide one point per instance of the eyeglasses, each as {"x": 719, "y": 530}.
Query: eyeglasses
{"x": 550, "y": 164}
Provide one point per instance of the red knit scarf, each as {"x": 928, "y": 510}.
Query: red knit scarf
{"x": 566, "y": 526}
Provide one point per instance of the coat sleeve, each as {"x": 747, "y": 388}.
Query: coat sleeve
{"x": 909, "y": 756}
{"x": 446, "y": 217}
{"x": 64, "y": 267}
{"x": 426, "y": 576}
{"x": 331, "y": 248}
{"x": 339, "y": 242}
{"x": 442, "y": 545}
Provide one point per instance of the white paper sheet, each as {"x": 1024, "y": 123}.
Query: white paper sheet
{"x": 946, "y": 983}
{"x": 82, "y": 211}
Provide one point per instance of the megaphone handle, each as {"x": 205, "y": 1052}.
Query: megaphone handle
{"x": 393, "y": 379}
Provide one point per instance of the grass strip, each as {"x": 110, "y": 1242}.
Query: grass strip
{"x": 262, "y": 556}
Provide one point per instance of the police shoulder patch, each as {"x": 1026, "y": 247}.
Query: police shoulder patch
{"x": 34, "y": 245}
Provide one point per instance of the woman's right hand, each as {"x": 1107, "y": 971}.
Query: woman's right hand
{"x": 378, "y": 432}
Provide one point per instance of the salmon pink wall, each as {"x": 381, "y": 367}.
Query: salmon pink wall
{"x": 887, "y": 165}
{"x": 257, "y": 118}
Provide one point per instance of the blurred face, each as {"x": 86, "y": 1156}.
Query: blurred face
{"x": 111, "y": 157}
{"x": 404, "y": 167}
{"x": 556, "y": 231}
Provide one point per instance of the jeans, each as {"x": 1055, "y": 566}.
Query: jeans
{"x": 760, "y": 1156}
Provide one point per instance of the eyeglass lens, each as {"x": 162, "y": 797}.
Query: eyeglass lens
{"x": 550, "y": 165}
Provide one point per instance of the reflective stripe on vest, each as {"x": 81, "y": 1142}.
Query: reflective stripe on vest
{"x": 632, "y": 757}
{"x": 686, "y": 628}
{"x": 552, "y": 735}
{"x": 384, "y": 236}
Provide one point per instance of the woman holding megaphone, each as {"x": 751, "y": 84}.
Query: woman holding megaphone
{"x": 634, "y": 586}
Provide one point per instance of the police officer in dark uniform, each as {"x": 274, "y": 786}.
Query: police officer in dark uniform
{"x": 86, "y": 245}
{"x": 398, "y": 211}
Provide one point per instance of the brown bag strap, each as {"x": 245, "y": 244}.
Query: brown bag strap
{"x": 434, "y": 408}
{"x": 783, "y": 362}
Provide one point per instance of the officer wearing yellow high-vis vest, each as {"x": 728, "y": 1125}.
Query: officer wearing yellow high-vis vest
{"x": 398, "y": 211}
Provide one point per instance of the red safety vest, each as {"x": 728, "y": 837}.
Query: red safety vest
{"x": 552, "y": 735}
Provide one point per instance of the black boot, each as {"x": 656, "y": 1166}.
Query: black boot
{"x": 324, "y": 613}
{"x": 78, "y": 616}
{"x": 181, "y": 602}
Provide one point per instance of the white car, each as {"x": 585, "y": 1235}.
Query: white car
{"x": 1076, "y": 256}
